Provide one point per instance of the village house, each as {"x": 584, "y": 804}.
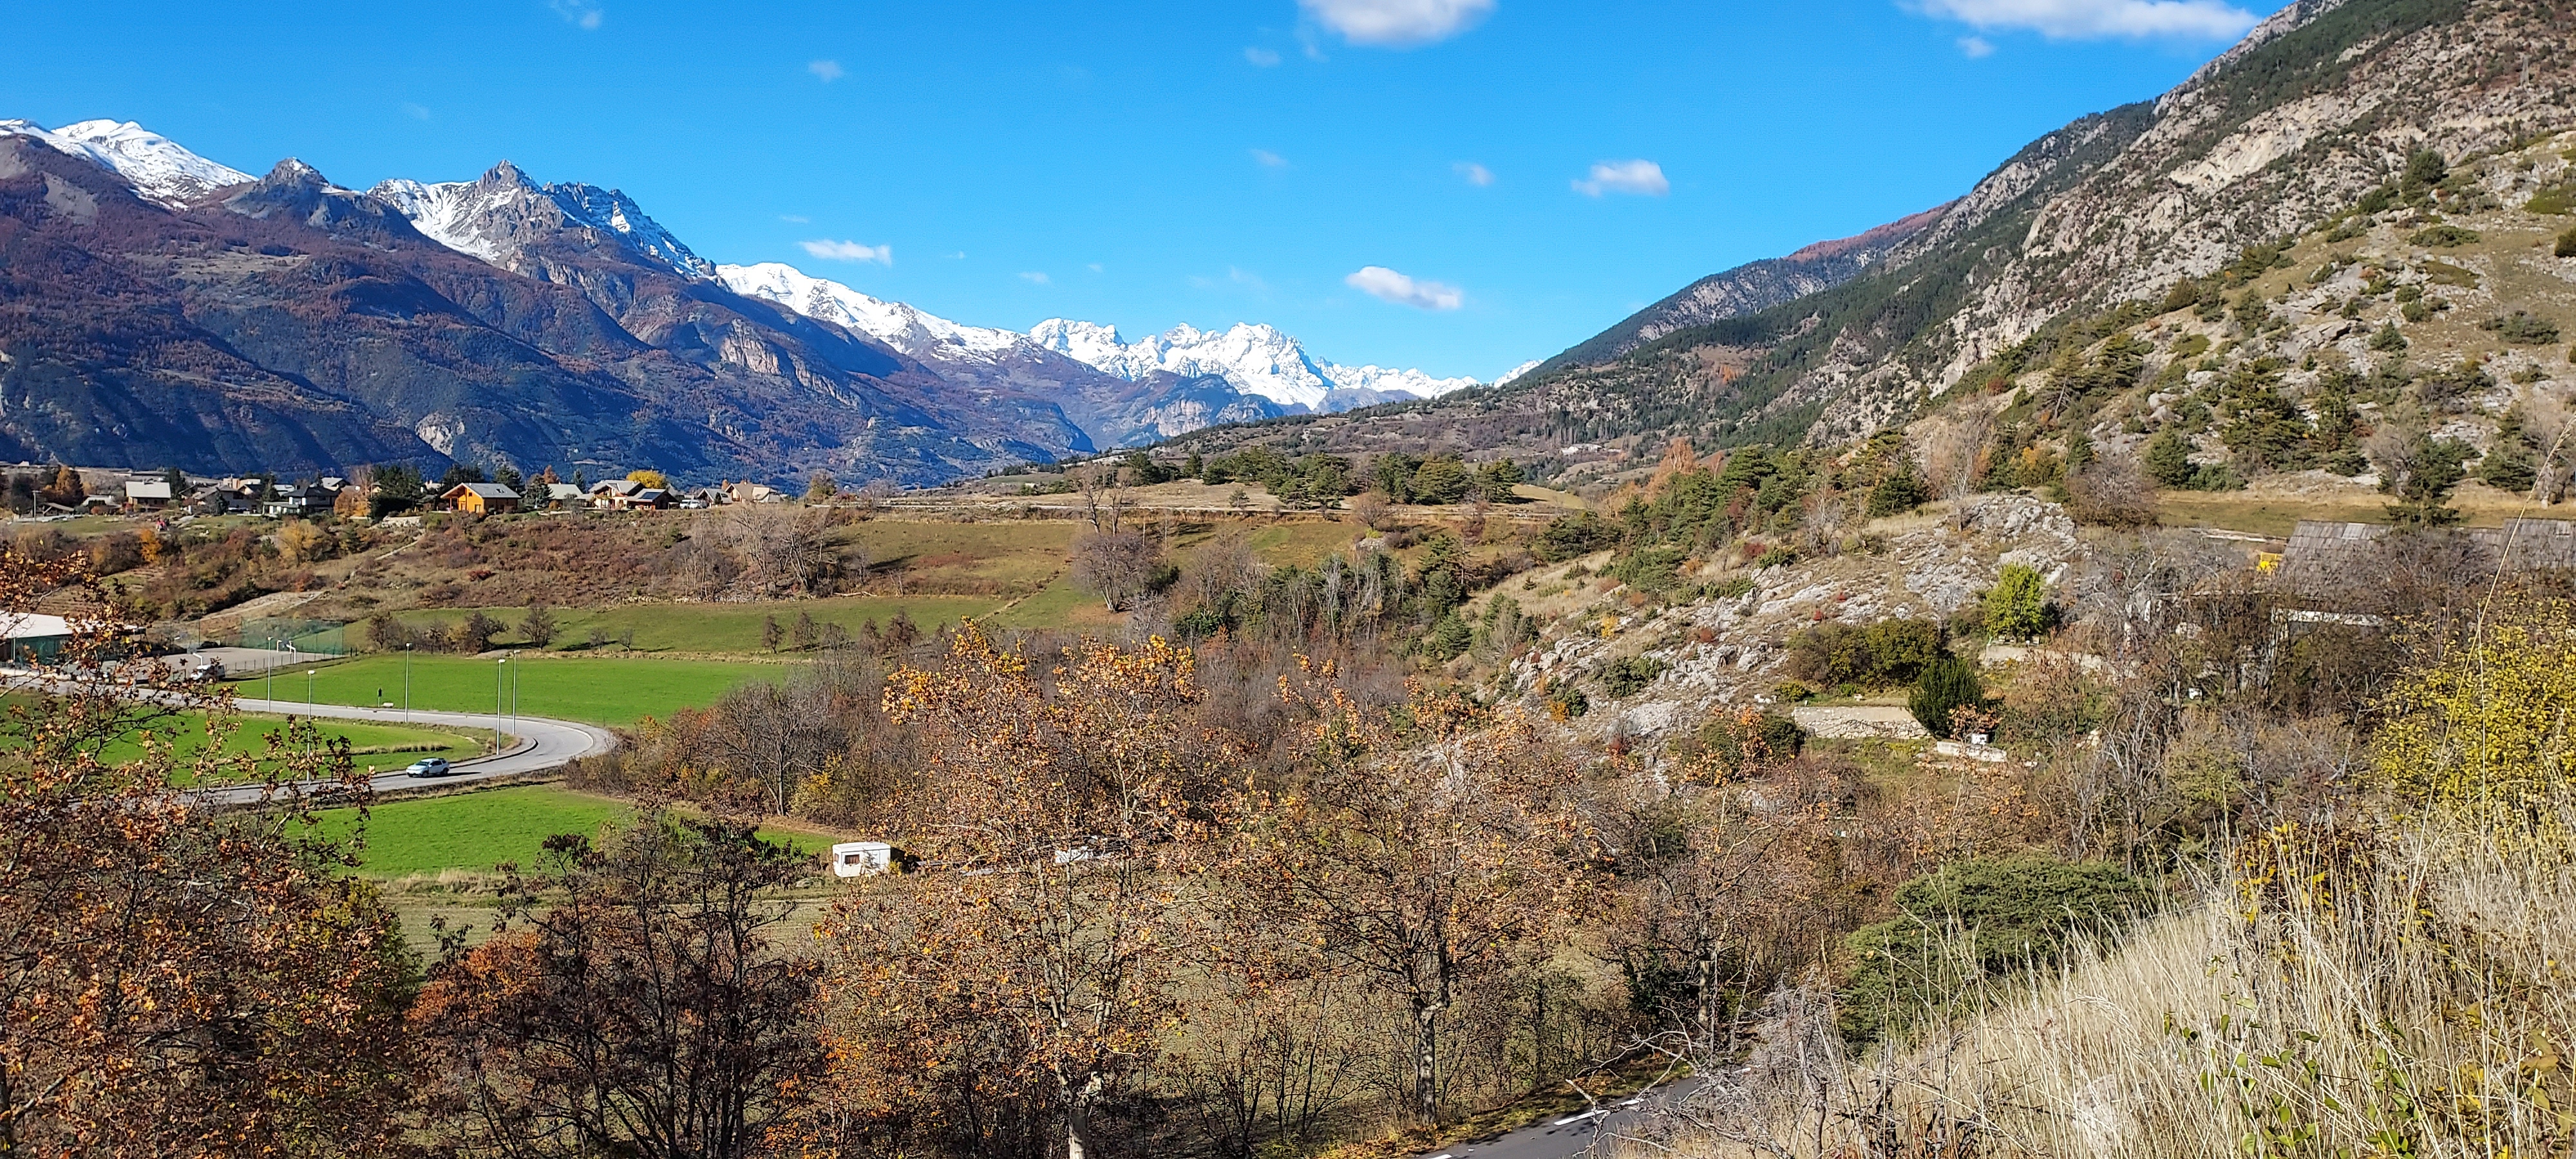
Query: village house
{"x": 298, "y": 501}
{"x": 608, "y": 494}
{"x": 481, "y": 498}
{"x": 563, "y": 494}
{"x": 148, "y": 495}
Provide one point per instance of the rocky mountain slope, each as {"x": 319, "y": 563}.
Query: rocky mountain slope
{"x": 295, "y": 326}
{"x": 1748, "y": 288}
{"x": 753, "y": 371}
{"x": 2323, "y": 103}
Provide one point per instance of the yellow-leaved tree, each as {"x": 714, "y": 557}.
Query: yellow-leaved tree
{"x": 991, "y": 1003}
{"x": 2483, "y": 726}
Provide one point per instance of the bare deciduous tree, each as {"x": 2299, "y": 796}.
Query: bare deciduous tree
{"x": 641, "y": 1011}
{"x": 1117, "y": 566}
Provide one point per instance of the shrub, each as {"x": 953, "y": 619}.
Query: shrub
{"x": 1897, "y": 492}
{"x": 1571, "y": 536}
{"x": 1880, "y": 655}
{"x": 1734, "y": 587}
{"x": 1974, "y": 920}
{"x": 2566, "y": 247}
{"x": 2387, "y": 340}
{"x": 2017, "y": 606}
{"x": 1946, "y": 684}
{"x": 1629, "y": 675}
{"x": 1775, "y": 556}
{"x": 1654, "y": 569}
{"x": 2444, "y": 237}
{"x": 1736, "y": 741}
{"x": 2112, "y": 493}
{"x": 2522, "y": 328}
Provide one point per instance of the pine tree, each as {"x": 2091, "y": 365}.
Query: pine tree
{"x": 2168, "y": 458}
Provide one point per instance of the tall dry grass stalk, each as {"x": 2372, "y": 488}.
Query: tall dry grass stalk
{"x": 2397, "y": 990}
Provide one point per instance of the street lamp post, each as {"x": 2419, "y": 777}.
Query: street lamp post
{"x": 497, "y": 673}
{"x": 308, "y": 691}
{"x": 406, "y": 682}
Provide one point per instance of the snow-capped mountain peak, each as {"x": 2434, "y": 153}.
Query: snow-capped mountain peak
{"x": 496, "y": 215}
{"x": 1257, "y": 358}
{"x": 919, "y": 334}
{"x": 160, "y": 169}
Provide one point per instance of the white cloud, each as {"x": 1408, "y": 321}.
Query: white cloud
{"x": 1381, "y": 282}
{"x": 2094, "y": 19}
{"x": 1639, "y": 176}
{"x": 1261, "y": 57}
{"x": 1035, "y": 277}
{"x": 850, "y": 251}
{"x": 1269, "y": 160}
{"x": 1475, "y": 174}
{"x": 828, "y": 70}
{"x": 416, "y": 112}
{"x": 1094, "y": 267}
{"x": 585, "y": 13}
{"x": 1398, "y": 22}
{"x": 1975, "y": 47}
{"x": 795, "y": 218}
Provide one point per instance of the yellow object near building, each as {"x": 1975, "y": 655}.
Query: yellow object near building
{"x": 2267, "y": 561}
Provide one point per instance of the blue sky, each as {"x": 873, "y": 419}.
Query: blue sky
{"x": 1458, "y": 185}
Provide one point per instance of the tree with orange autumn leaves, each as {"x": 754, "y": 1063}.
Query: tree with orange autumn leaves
{"x": 993, "y": 1003}
{"x": 1424, "y": 851}
{"x": 177, "y": 979}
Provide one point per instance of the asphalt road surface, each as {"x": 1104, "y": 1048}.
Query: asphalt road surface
{"x": 1566, "y": 1137}
{"x": 542, "y": 744}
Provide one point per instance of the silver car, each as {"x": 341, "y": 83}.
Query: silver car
{"x": 430, "y": 767}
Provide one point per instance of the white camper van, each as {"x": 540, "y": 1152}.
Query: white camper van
{"x": 861, "y": 858}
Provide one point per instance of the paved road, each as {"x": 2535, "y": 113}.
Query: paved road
{"x": 542, "y": 744}
{"x": 1566, "y": 1137}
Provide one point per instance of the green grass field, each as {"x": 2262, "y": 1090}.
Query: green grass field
{"x": 187, "y": 731}
{"x": 717, "y": 628}
{"x": 479, "y": 830}
{"x": 608, "y": 691}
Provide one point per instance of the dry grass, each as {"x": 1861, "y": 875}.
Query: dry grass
{"x": 2398, "y": 996}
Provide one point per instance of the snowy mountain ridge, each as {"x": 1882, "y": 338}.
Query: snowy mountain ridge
{"x": 903, "y": 327}
{"x": 161, "y": 169}
{"x": 1257, "y": 358}
{"x": 492, "y": 217}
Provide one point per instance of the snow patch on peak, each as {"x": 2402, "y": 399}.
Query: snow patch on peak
{"x": 1514, "y": 373}
{"x": 492, "y": 217}
{"x": 914, "y": 332}
{"x": 1257, "y": 358}
{"x": 159, "y": 168}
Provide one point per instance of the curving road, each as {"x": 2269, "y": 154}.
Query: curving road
{"x": 541, "y": 744}
{"x": 1588, "y": 1133}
